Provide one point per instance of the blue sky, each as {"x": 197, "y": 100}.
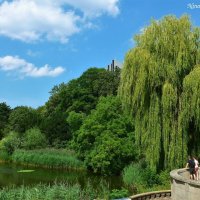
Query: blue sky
{"x": 44, "y": 43}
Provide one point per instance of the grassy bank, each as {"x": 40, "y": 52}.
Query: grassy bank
{"x": 56, "y": 191}
{"x": 51, "y": 158}
{"x": 61, "y": 191}
{"x": 140, "y": 178}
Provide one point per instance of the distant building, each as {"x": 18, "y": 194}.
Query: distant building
{"x": 114, "y": 65}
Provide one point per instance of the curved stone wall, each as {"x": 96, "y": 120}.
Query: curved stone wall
{"x": 159, "y": 195}
{"x": 182, "y": 188}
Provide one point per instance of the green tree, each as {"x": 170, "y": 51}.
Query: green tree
{"x": 5, "y": 111}
{"x": 55, "y": 127}
{"x": 106, "y": 139}
{"x": 75, "y": 120}
{"x": 34, "y": 139}
{"x": 160, "y": 86}
{"x": 81, "y": 94}
{"x": 22, "y": 118}
{"x": 78, "y": 96}
{"x": 9, "y": 143}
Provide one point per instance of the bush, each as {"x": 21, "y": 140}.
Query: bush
{"x": 116, "y": 193}
{"x": 9, "y": 143}
{"x": 132, "y": 176}
{"x": 141, "y": 178}
{"x": 33, "y": 138}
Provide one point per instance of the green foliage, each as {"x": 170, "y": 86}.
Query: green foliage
{"x": 116, "y": 193}
{"x": 160, "y": 89}
{"x": 106, "y": 139}
{"x": 34, "y": 139}
{"x": 75, "y": 120}
{"x": 141, "y": 178}
{"x": 4, "y": 156}
{"x": 5, "y": 111}
{"x": 22, "y": 118}
{"x": 81, "y": 94}
{"x": 51, "y": 158}
{"x": 132, "y": 175}
{"x": 55, "y": 127}
{"x": 78, "y": 96}
{"x": 9, "y": 143}
{"x": 164, "y": 178}
{"x": 56, "y": 191}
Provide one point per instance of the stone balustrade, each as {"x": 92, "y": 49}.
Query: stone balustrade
{"x": 182, "y": 187}
{"x": 160, "y": 195}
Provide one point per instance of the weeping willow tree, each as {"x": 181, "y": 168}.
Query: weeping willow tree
{"x": 160, "y": 87}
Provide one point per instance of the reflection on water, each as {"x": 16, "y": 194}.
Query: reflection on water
{"x": 9, "y": 176}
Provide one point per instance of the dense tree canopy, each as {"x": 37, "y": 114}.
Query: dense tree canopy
{"x": 160, "y": 87}
{"x": 81, "y": 94}
{"x": 75, "y": 120}
{"x": 22, "y": 118}
{"x": 55, "y": 127}
{"x": 75, "y": 99}
{"x": 5, "y": 111}
{"x": 106, "y": 139}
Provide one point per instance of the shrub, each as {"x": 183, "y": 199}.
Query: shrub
{"x": 132, "y": 176}
{"x": 34, "y": 139}
{"x": 9, "y": 143}
{"x": 141, "y": 178}
{"x": 116, "y": 193}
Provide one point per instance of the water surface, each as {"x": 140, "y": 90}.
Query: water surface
{"x": 9, "y": 176}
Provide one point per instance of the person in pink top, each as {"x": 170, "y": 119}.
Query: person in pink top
{"x": 196, "y": 168}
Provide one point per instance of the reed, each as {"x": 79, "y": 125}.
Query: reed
{"x": 57, "y": 191}
{"x": 50, "y": 158}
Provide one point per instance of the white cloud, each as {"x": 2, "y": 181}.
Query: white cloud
{"x": 34, "y": 20}
{"x": 94, "y": 8}
{"x": 90, "y": 8}
{"x": 23, "y": 68}
{"x": 30, "y": 21}
{"x": 32, "y": 53}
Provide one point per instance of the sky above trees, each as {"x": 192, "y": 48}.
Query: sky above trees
{"x": 45, "y": 43}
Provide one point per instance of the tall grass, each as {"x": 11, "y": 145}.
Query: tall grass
{"x": 4, "y": 156}
{"x": 56, "y": 192}
{"x": 51, "y": 158}
{"x": 140, "y": 179}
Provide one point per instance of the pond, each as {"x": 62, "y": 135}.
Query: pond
{"x": 10, "y": 175}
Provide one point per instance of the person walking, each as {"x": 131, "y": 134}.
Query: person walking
{"x": 191, "y": 165}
